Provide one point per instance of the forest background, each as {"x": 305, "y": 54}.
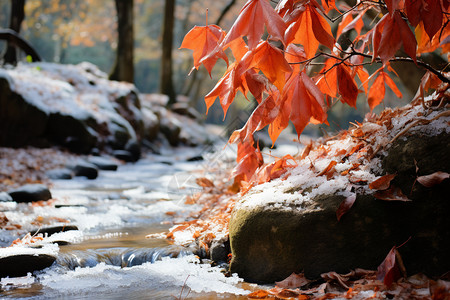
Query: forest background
{"x": 70, "y": 32}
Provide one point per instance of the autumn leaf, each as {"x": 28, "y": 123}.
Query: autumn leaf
{"x": 259, "y": 294}
{"x": 294, "y": 55}
{"x": 382, "y": 183}
{"x": 249, "y": 160}
{"x": 392, "y": 194}
{"x": 271, "y": 62}
{"x": 389, "y": 35}
{"x": 433, "y": 179}
{"x": 251, "y": 20}
{"x": 346, "y": 85}
{"x": 263, "y": 115}
{"x": 293, "y": 281}
{"x": 309, "y": 30}
{"x": 377, "y": 90}
{"x": 329, "y": 170}
{"x": 203, "y": 40}
{"x": 275, "y": 169}
{"x": 345, "y": 205}
{"x": 428, "y": 12}
{"x": 306, "y": 101}
{"x": 204, "y": 182}
{"x": 388, "y": 271}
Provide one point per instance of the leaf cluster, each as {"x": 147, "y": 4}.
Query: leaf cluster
{"x": 272, "y": 54}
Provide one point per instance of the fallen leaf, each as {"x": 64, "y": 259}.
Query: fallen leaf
{"x": 392, "y": 194}
{"x": 345, "y": 206}
{"x": 382, "y": 183}
{"x": 293, "y": 281}
{"x": 260, "y": 294}
{"x": 388, "y": 271}
{"x": 433, "y": 179}
{"x": 204, "y": 182}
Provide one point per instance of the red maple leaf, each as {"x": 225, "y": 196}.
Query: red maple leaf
{"x": 251, "y": 20}
{"x": 203, "y": 40}
{"x": 378, "y": 90}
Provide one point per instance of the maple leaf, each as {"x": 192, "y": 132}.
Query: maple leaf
{"x": 263, "y": 115}
{"x": 428, "y": 12}
{"x": 294, "y": 55}
{"x": 309, "y": 30}
{"x": 378, "y": 90}
{"x": 251, "y": 20}
{"x": 346, "y": 85}
{"x": 293, "y": 281}
{"x": 249, "y": 160}
{"x": 389, "y": 35}
{"x": 392, "y": 194}
{"x": 306, "y": 101}
{"x": 275, "y": 169}
{"x": 203, "y": 40}
{"x": 271, "y": 62}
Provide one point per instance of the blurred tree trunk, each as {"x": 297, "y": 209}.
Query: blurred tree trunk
{"x": 15, "y": 21}
{"x": 166, "y": 80}
{"x": 123, "y": 67}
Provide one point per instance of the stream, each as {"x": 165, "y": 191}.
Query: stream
{"x": 109, "y": 256}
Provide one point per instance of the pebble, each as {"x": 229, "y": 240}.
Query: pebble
{"x": 30, "y": 192}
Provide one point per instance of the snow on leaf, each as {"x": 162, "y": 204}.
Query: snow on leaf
{"x": 382, "y": 183}
{"x": 251, "y": 20}
{"x": 293, "y": 281}
{"x": 345, "y": 206}
{"x": 433, "y": 179}
{"x": 203, "y": 40}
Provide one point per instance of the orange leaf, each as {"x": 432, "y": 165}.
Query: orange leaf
{"x": 271, "y": 62}
{"x": 225, "y": 89}
{"x": 295, "y": 54}
{"x": 329, "y": 168}
{"x": 382, "y": 183}
{"x": 306, "y": 101}
{"x": 249, "y": 160}
{"x": 378, "y": 90}
{"x": 259, "y": 294}
{"x": 203, "y": 40}
{"x": 309, "y": 30}
{"x": 251, "y": 20}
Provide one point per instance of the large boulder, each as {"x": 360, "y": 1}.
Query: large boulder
{"x": 291, "y": 225}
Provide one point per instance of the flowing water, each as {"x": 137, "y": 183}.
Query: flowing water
{"x": 109, "y": 256}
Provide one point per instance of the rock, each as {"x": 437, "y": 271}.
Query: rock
{"x": 85, "y": 169}
{"x": 21, "y": 122}
{"x": 59, "y": 174}
{"x": 170, "y": 127}
{"x": 103, "y": 163}
{"x": 124, "y": 155}
{"x": 151, "y": 124}
{"x": 270, "y": 242}
{"x": 54, "y": 229}
{"x": 134, "y": 148}
{"x": 22, "y": 264}
{"x": 72, "y": 131}
{"x": 219, "y": 251}
{"x": 30, "y": 192}
{"x": 195, "y": 158}
{"x": 184, "y": 109}
{"x": 5, "y": 197}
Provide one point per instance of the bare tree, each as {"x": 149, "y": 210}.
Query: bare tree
{"x": 123, "y": 67}
{"x": 15, "y": 22}
{"x": 166, "y": 81}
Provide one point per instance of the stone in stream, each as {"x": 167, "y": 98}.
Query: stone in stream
{"x": 269, "y": 242}
{"x": 5, "y": 197}
{"x": 54, "y": 229}
{"x": 30, "y": 192}
{"x": 85, "y": 169}
{"x": 124, "y": 155}
{"x": 62, "y": 173}
{"x": 103, "y": 163}
{"x": 20, "y": 260}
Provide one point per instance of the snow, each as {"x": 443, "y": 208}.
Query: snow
{"x": 46, "y": 249}
{"x": 168, "y": 273}
{"x": 302, "y": 183}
